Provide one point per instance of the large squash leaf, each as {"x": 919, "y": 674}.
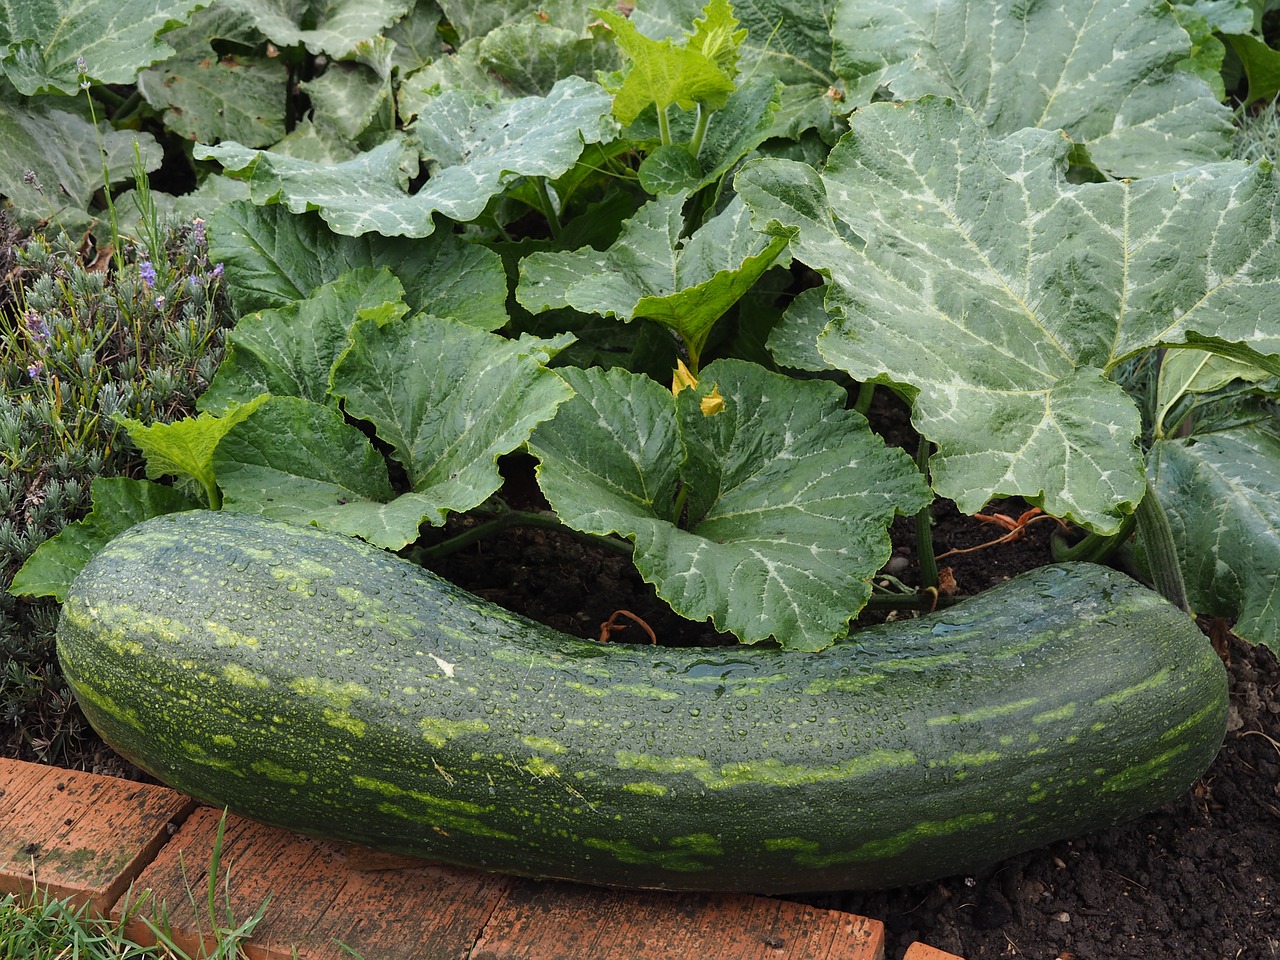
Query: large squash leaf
{"x": 654, "y": 272}
{"x": 473, "y": 146}
{"x": 1222, "y": 496}
{"x": 333, "y": 27}
{"x": 786, "y": 495}
{"x": 44, "y": 44}
{"x": 51, "y": 161}
{"x": 448, "y": 399}
{"x": 1106, "y": 71}
{"x": 1001, "y": 296}
{"x": 274, "y": 257}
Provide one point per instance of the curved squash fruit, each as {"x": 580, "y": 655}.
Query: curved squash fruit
{"x": 308, "y": 680}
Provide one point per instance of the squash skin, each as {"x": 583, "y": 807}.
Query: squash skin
{"x": 308, "y": 680}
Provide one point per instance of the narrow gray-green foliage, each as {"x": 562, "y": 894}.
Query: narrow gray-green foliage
{"x": 80, "y": 346}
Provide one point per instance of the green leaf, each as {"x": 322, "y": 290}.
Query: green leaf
{"x": 417, "y": 38}
{"x": 794, "y": 341}
{"x": 448, "y": 399}
{"x": 355, "y": 98}
{"x": 1207, "y": 53}
{"x": 789, "y": 495}
{"x": 296, "y": 460}
{"x": 476, "y": 148}
{"x": 42, "y": 40}
{"x": 744, "y": 122}
{"x": 1184, "y": 372}
{"x": 208, "y": 97}
{"x": 273, "y": 257}
{"x": 787, "y": 39}
{"x": 475, "y": 18}
{"x": 531, "y": 57}
{"x": 1224, "y": 16}
{"x": 1261, "y": 67}
{"x": 1002, "y": 296}
{"x": 290, "y": 351}
{"x": 652, "y": 272}
{"x": 1221, "y": 494}
{"x": 118, "y": 503}
{"x": 662, "y": 73}
{"x": 1105, "y": 71}
{"x": 355, "y": 196}
{"x": 717, "y": 37}
{"x": 474, "y": 145}
{"x": 61, "y": 150}
{"x": 333, "y": 27}
{"x": 184, "y": 448}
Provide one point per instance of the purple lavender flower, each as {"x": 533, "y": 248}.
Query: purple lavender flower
{"x": 197, "y": 231}
{"x": 35, "y": 369}
{"x": 37, "y": 329}
{"x": 160, "y": 302}
{"x": 147, "y": 272}
{"x": 216, "y": 272}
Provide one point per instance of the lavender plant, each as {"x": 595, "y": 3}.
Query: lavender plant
{"x": 80, "y": 346}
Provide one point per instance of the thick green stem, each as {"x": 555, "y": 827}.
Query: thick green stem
{"x": 700, "y": 131}
{"x": 1095, "y": 548}
{"x": 1162, "y": 555}
{"x": 505, "y": 520}
{"x": 548, "y": 206}
{"x": 924, "y": 527}
{"x": 866, "y": 393}
{"x": 664, "y": 127}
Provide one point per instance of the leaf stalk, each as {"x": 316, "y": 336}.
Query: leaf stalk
{"x": 1162, "y": 555}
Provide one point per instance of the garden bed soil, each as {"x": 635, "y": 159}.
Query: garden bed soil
{"x": 1197, "y": 879}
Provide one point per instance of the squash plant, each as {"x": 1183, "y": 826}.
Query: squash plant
{"x": 457, "y": 229}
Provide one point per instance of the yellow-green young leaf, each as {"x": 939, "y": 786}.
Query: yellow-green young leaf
{"x": 662, "y": 73}
{"x": 716, "y": 36}
{"x": 184, "y": 448}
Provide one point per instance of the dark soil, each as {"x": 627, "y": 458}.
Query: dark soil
{"x": 1198, "y": 879}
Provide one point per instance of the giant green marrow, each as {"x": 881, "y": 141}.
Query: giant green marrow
{"x": 305, "y": 679}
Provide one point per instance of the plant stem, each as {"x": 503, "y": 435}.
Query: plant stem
{"x": 700, "y": 130}
{"x": 664, "y": 127}
{"x": 1095, "y": 548}
{"x": 1162, "y": 554}
{"x": 548, "y": 206}
{"x": 924, "y": 526}
{"x": 866, "y": 393}
{"x": 505, "y": 520}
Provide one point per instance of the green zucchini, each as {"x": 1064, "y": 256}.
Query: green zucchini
{"x": 308, "y": 680}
